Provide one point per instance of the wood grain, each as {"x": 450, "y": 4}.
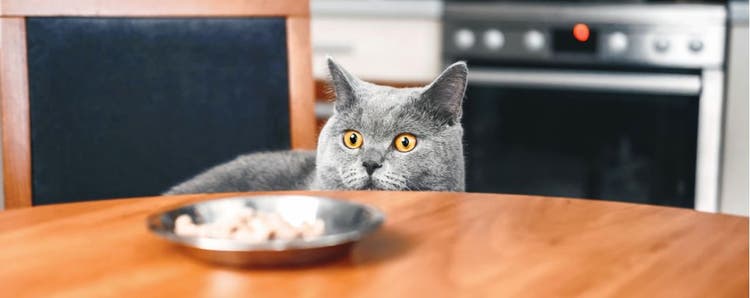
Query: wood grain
{"x": 301, "y": 89}
{"x": 165, "y": 8}
{"x": 432, "y": 245}
{"x": 14, "y": 100}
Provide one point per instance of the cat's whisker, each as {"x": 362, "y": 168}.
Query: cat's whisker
{"x": 395, "y": 177}
{"x": 400, "y": 181}
{"x": 391, "y": 182}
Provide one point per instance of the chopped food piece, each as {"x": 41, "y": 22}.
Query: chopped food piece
{"x": 314, "y": 229}
{"x": 250, "y": 226}
{"x": 183, "y": 225}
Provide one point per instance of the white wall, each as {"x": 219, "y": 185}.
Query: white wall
{"x": 2, "y": 191}
{"x": 386, "y": 41}
{"x": 734, "y": 184}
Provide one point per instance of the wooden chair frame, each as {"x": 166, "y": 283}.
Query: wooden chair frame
{"x": 14, "y": 91}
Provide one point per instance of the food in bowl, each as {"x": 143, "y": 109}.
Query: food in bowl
{"x": 346, "y": 223}
{"x": 249, "y": 225}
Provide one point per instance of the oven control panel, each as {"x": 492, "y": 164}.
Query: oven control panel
{"x": 694, "y": 40}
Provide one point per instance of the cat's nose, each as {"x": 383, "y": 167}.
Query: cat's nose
{"x": 370, "y": 166}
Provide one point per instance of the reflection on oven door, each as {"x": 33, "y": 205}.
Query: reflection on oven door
{"x": 587, "y": 144}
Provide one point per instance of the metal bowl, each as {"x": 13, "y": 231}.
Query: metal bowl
{"x": 345, "y": 224}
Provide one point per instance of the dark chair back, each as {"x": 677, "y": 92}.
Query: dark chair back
{"x": 123, "y": 106}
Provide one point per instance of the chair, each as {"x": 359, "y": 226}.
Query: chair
{"x": 123, "y": 98}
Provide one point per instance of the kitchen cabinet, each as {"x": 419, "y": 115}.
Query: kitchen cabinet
{"x": 383, "y": 41}
{"x": 734, "y": 188}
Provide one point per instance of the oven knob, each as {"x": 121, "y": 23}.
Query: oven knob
{"x": 661, "y": 45}
{"x": 464, "y": 39}
{"x": 618, "y": 42}
{"x": 494, "y": 39}
{"x": 534, "y": 40}
{"x": 695, "y": 45}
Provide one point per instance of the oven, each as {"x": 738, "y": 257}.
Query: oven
{"x": 617, "y": 102}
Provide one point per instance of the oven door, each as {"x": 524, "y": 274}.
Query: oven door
{"x": 588, "y": 134}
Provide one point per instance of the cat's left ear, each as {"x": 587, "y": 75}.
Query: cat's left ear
{"x": 444, "y": 96}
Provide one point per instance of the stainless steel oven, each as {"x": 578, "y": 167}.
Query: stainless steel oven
{"x": 605, "y": 101}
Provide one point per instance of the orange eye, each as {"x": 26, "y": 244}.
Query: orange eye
{"x": 352, "y": 139}
{"x": 405, "y": 142}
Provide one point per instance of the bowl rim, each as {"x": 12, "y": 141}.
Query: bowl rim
{"x": 153, "y": 223}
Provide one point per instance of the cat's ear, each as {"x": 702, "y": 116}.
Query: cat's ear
{"x": 444, "y": 95}
{"x": 344, "y": 84}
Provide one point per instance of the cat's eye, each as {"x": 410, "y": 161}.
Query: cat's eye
{"x": 405, "y": 142}
{"x": 352, "y": 139}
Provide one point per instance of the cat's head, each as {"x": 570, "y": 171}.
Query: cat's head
{"x": 382, "y": 137}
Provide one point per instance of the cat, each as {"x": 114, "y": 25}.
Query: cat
{"x": 379, "y": 138}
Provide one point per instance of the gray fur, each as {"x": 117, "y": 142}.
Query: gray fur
{"x": 431, "y": 113}
{"x": 259, "y": 171}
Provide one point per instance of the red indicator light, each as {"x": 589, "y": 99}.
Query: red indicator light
{"x": 581, "y": 32}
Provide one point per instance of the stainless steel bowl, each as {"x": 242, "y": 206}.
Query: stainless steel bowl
{"x": 345, "y": 224}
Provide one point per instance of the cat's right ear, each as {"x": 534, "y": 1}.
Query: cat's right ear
{"x": 344, "y": 85}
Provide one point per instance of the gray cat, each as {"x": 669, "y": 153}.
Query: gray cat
{"x": 379, "y": 137}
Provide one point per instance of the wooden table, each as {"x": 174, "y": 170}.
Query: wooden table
{"x": 432, "y": 245}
